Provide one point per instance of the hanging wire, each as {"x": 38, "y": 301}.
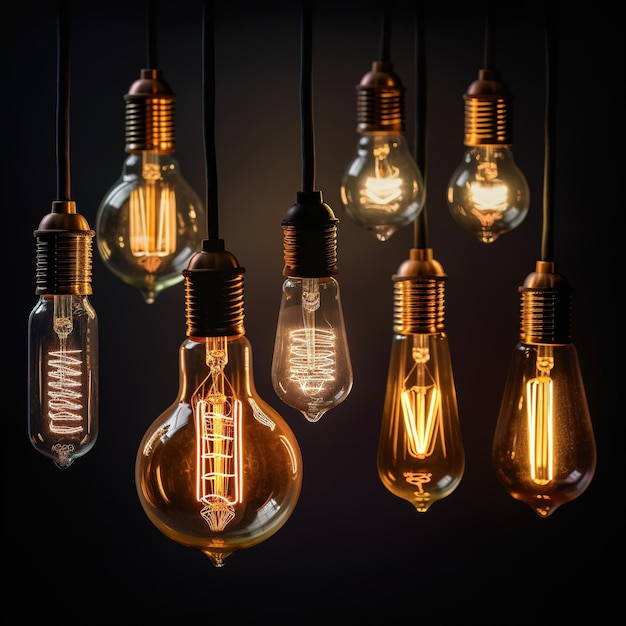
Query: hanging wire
{"x": 63, "y": 103}
{"x": 306, "y": 99}
{"x": 151, "y": 36}
{"x": 385, "y": 34}
{"x": 547, "y": 243}
{"x": 490, "y": 46}
{"x": 421, "y": 222}
{"x": 208, "y": 82}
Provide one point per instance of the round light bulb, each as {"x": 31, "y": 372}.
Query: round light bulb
{"x": 150, "y": 223}
{"x": 487, "y": 194}
{"x": 382, "y": 188}
{"x": 219, "y": 470}
{"x": 311, "y": 367}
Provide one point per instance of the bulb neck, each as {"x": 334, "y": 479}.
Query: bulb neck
{"x": 419, "y": 294}
{"x": 214, "y": 292}
{"x": 64, "y": 252}
{"x": 488, "y": 111}
{"x": 545, "y": 307}
{"x": 380, "y": 101}
{"x": 150, "y": 115}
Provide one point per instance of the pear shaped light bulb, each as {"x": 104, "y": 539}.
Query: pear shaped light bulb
{"x": 311, "y": 366}
{"x": 382, "y": 188}
{"x": 219, "y": 470}
{"x": 63, "y": 340}
{"x": 488, "y": 194}
{"x": 544, "y": 451}
{"x": 421, "y": 457}
{"x": 151, "y": 221}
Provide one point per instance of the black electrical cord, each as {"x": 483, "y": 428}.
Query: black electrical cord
{"x": 547, "y": 243}
{"x": 63, "y": 104}
{"x": 208, "y": 82}
{"x": 385, "y": 34}
{"x": 421, "y": 222}
{"x": 151, "y": 36}
{"x": 306, "y": 99}
{"x": 490, "y": 46}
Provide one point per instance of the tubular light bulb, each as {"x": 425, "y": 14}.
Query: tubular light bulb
{"x": 488, "y": 195}
{"x": 151, "y": 221}
{"x": 63, "y": 340}
{"x": 382, "y": 188}
{"x": 544, "y": 450}
{"x": 421, "y": 457}
{"x": 311, "y": 366}
{"x": 220, "y": 469}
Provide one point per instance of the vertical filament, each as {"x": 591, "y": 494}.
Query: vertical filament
{"x": 384, "y": 190}
{"x": 312, "y": 355}
{"x": 420, "y": 398}
{"x": 539, "y": 398}
{"x": 152, "y": 212}
{"x": 64, "y": 375}
{"x": 218, "y": 440}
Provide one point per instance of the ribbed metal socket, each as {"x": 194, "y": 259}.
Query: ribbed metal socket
{"x": 419, "y": 294}
{"x": 64, "y": 252}
{"x": 488, "y": 111}
{"x": 380, "y": 101}
{"x": 546, "y": 306}
{"x": 310, "y": 238}
{"x": 214, "y": 293}
{"x": 150, "y": 117}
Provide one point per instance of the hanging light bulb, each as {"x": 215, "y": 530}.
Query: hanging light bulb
{"x": 488, "y": 194}
{"x": 63, "y": 340}
{"x": 421, "y": 457}
{"x": 544, "y": 450}
{"x": 219, "y": 470}
{"x": 382, "y": 188}
{"x": 311, "y": 366}
{"x": 151, "y": 221}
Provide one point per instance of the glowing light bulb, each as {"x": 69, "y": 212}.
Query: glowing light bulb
{"x": 219, "y": 470}
{"x": 311, "y": 366}
{"x": 421, "y": 457}
{"x": 151, "y": 221}
{"x": 488, "y": 195}
{"x": 544, "y": 449}
{"x": 63, "y": 340}
{"x": 382, "y": 188}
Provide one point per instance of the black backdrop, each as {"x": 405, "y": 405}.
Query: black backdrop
{"x": 80, "y": 549}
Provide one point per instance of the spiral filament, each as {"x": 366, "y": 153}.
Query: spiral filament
{"x": 152, "y": 215}
{"x": 312, "y": 350}
{"x": 64, "y": 377}
{"x": 217, "y": 415}
{"x": 539, "y": 396}
{"x": 384, "y": 190}
{"x": 420, "y": 403}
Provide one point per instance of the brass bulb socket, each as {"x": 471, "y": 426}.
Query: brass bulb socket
{"x": 380, "y": 101}
{"x": 419, "y": 294}
{"x": 488, "y": 111}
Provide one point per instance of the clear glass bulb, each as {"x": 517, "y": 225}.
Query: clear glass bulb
{"x": 544, "y": 450}
{"x": 421, "y": 457}
{"x": 382, "y": 188}
{"x": 311, "y": 367}
{"x": 63, "y": 377}
{"x": 487, "y": 194}
{"x": 219, "y": 470}
{"x": 150, "y": 223}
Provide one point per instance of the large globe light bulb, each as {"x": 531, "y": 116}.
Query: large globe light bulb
{"x": 219, "y": 470}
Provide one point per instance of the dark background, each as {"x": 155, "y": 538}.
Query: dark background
{"x": 79, "y": 548}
